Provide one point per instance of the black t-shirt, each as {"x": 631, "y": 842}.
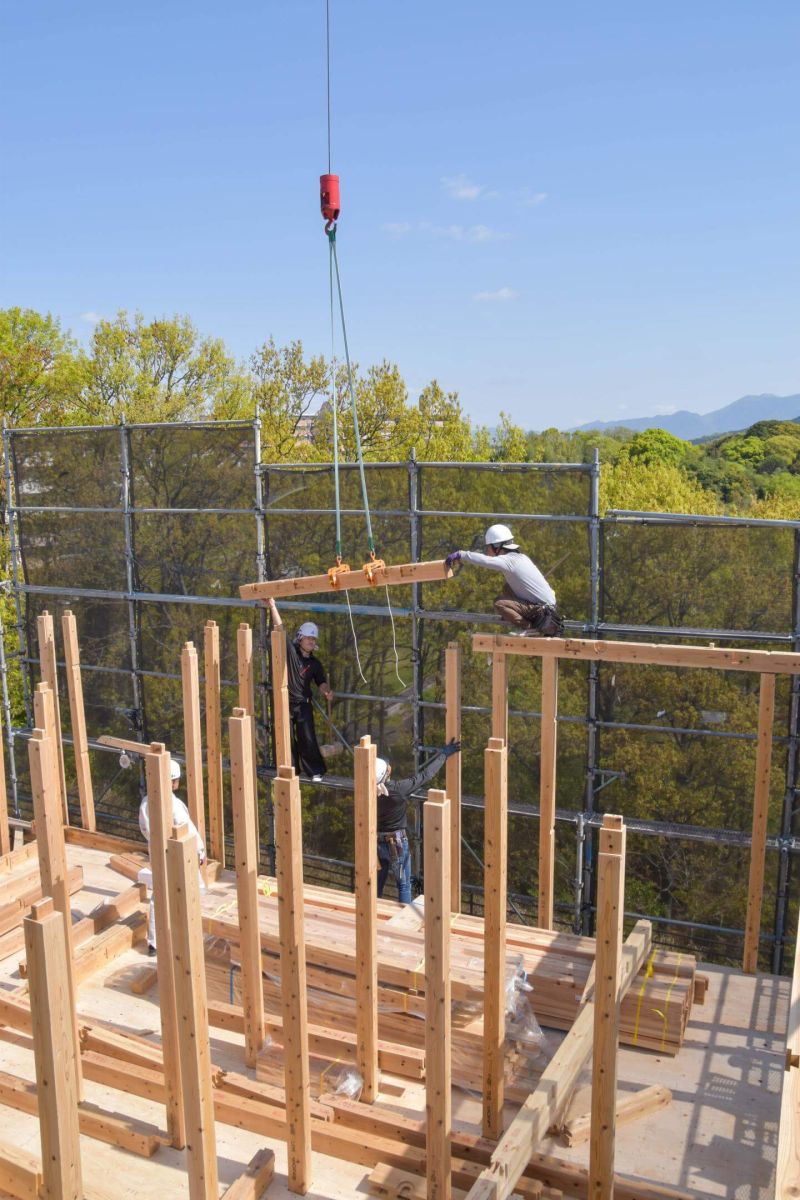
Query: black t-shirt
{"x": 392, "y": 808}
{"x": 301, "y": 672}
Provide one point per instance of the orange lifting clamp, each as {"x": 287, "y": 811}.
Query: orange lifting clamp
{"x": 369, "y": 569}
{"x": 335, "y": 572}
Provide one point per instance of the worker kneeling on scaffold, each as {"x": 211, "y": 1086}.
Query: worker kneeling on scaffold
{"x": 527, "y": 602}
{"x": 393, "y": 798}
{"x": 180, "y": 816}
{"x": 302, "y": 669}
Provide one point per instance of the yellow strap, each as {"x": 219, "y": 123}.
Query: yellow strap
{"x": 329, "y": 1067}
{"x": 223, "y": 908}
{"x": 666, "y": 1004}
{"x": 265, "y": 887}
{"x": 648, "y": 971}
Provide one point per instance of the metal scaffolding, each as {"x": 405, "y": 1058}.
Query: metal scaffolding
{"x": 584, "y": 819}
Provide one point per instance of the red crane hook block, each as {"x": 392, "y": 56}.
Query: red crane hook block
{"x": 329, "y": 198}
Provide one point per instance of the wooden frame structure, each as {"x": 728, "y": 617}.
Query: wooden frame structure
{"x": 766, "y": 663}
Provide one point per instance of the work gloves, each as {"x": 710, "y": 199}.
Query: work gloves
{"x": 453, "y": 557}
{"x": 451, "y": 748}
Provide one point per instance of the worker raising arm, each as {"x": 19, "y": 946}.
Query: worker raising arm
{"x": 302, "y": 669}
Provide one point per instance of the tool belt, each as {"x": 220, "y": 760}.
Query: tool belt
{"x": 396, "y": 843}
{"x": 545, "y": 620}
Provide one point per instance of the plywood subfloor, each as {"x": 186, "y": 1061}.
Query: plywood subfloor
{"x": 717, "y": 1138}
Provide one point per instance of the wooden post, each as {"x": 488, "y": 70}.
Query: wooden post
{"x": 495, "y": 858}
{"x": 280, "y": 700}
{"x": 500, "y": 696}
{"x": 452, "y": 769}
{"x": 183, "y": 874}
{"x": 366, "y": 914}
{"x": 607, "y": 1000}
{"x": 288, "y": 839}
{"x": 53, "y": 859}
{"x": 80, "y": 742}
{"x": 159, "y": 807}
{"x": 192, "y": 739}
{"x": 55, "y": 1054}
{"x": 47, "y": 659}
{"x": 547, "y": 791}
{"x": 5, "y": 832}
{"x": 438, "y": 1111}
{"x": 245, "y": 850}
{"x": 216, "y": 816}
{"x": 787, "y": 1167}
{"x": 758, "y": 845}
{"x": 247, "y": 701}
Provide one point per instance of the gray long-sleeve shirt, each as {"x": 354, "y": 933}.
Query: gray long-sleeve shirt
{"x": 521, "y": 574}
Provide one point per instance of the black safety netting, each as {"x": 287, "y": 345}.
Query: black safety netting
{"x": 666, "y": 746}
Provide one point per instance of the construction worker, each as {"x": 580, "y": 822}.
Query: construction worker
{"x": 527, "y": 602}
{"x": 180, "y": 816}
{"x": 393, "y": 798}
{"x": 303, "y": 669}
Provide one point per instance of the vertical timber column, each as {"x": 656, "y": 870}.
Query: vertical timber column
{"x": 216, "y": 816}
{"x": 366, "y": 851}
{"x": 53, "y": 859}
{"x": 247, "y": 701}
{"x": 192, "y": 738}
{"x": 495, "y": 858}
{"x": 607, "y": 1000}
{"x": 55, "y": 1053}
{"x": 452, "y": 776}
{"x": 438, "y": 1108}
{"x": 159, "y": 806}
{"x": 288, "y": 836}
{"x": 80, "y": 742}
{"x": 758, "y": 844}
{"x": 280, "y": 700}
{"x": 183, "y": 877}
{"x": 500, "y": 696}
{"x": 5, "y": 833}
{"x": 245, "y": 849}
{"x": 47, "y": 658}
{"x": 547, "y": 790}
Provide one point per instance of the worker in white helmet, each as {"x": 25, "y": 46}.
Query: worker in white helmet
{"x": 302, "y": 669}
{"x": 180, "y": 816}
{"x": 528, "y": 602}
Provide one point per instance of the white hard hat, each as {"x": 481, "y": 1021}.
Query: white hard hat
{"x": 500, "y": 535}
{"x": 307, "y": 629}
{"x": 174, "y": 769}
{"x": 381, "y": 767}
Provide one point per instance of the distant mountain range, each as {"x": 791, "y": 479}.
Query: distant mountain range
{"x": 691, "y": 425}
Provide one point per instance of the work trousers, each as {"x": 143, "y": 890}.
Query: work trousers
{"x": 394, "y": 855}
{"x": 306, "y": 754}
{"x": 527, "y": 614}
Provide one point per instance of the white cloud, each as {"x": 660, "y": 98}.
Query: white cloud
{"x": 530, "y": 199}
{"x": 397, "y": 229}
{"x": 92, "y": 318}
{"x": 451, "y": 233}
{"x": 462, "y": 188}
{"x": 483, "y": 233}
{"x": 501, "y": 296}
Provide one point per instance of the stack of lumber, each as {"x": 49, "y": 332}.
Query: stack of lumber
{"x": 20, "y": 888}
{"x": 558, "y": 965}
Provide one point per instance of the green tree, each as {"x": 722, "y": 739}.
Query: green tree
{"x": 656, "y": 446}
{"x": 40, "y": 368}
{"x": 158, "y": 370}
{"x": 510, "y": 442}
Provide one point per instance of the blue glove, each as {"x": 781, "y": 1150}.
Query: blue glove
{"x": 451, "y": 748}
{"x": 453, "y": 557}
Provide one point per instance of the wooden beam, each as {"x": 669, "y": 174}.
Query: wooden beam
{"x": 159, "y": 806}
{"x": 53, "y": 863}
{"x": 216, "y": 813}
{"x": 80, "y": 742}
{"x": 452, "y": 768}
{"x": 109, "y": 842}
{"x": 366, "y": 916}
{"x": 245, "y": 850}
{"x": 758, "y": 844}
{"x": 54, "y": 1053}
{"x": 288, "y": 839}
{"x": 47, "y": 660}
{"x": 5, "y": 831}
{"x": 183, "y": 873}
{"x": 438, "y": 1105}
{"x": 546, "y": 1104}
{"x": 547, "y": 792}
{"x": 20, "y": 1172}
{"x": 281, "y": 720}
{"x": 125, "y": 744}
{"x": 495, "y": 884}
{"x": 631, "y": 1106}
{"x": 247, "y": 701}
{"x": 406, "y": 573}
{"x": 192, "y": 739}
{"x": 771, "y": 662}
{"x": 255, "y": 1179}
{"x": 787, "y": 1171}
{"x": 500, "y": 696}
{"x": 607, "y": 1000}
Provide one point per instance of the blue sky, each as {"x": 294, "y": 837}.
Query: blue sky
{"x": 563, "y": 211}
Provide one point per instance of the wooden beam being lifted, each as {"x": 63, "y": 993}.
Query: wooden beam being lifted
{"x": 424, "y": 572}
